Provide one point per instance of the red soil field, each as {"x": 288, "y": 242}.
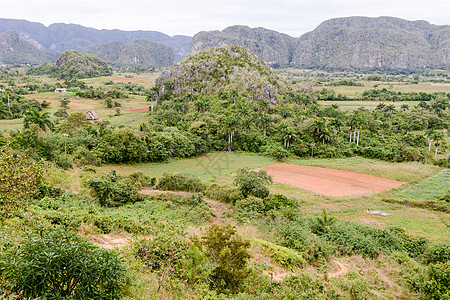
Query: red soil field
{"x": 329, "y": 182}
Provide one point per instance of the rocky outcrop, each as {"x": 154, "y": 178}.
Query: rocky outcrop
{"x": 275, "y": 48}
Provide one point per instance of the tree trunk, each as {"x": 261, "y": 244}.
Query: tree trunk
{"x": 429, "y": 146}
{"x": 357, "y": 139}
{"x": 435, "y": 153}
{"x": 350, "y": 137}
{"x": 354, "y": 135}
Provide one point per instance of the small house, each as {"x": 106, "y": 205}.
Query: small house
{"x": 61, "y": 90}
{"x": 91, "y": 116}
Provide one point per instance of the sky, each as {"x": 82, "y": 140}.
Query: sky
{"x": 187, "y": 17}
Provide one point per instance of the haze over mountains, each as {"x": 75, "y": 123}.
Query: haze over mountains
{"x": 343, "y": 43}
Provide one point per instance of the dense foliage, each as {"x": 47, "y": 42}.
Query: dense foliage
{"x": 59, "y": 264}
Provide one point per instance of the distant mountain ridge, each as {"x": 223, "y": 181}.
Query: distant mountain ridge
{"x": 140, "y": 53}
{"x": 14, "y": 50}
{"x": 60, "y": 37}
{"x": 362, "y": 43}
{"x": 275, "y": 48}
{"x": 343, "y": 43}
{"x": 374, "y": 43}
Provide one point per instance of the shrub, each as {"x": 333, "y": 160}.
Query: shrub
{"x": 249, "y": 208}
{"x": 61, "y": 265}
{"x": 179, "y": 182}
{"x": 275, "y": 151}
{"x": 438, "y": 253}
{"x": 20, "y": 178}
{"x": 223, "y": 193}
{"x": 283, "y": 256}
{"x": 279, "y": 201}
{"x": 112, "y": 193}
{"x": 228, "y": 253}
{"x": 253, "y": 183}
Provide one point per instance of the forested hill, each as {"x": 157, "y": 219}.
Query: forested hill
{"x": 374, "y": 43}
{"x": 140, "y": 53}
{"x": 60, "y": 37}
{"x": 14, "y": 50}
{"x": 344, "y": 43}
{"x": 361, "y": 43}
{"x": 274, "y": 47}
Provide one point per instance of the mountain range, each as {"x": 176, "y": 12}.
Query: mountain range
{"x": 385, "y": 43}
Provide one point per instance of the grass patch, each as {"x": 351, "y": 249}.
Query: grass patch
{"x": 428, "y": 189}
{"x": 205, "y": 167}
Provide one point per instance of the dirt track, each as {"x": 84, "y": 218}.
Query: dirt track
{"x": 329, "y": 182}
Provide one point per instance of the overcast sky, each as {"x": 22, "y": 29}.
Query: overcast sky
{"x": 188, "y": 17}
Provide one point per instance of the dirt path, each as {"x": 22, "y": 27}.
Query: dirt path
{"x": 217, "y": 207}
{"x": 329, "y": 182}
{"x": 342, "y": 270}
{"x": 109, "y": 241}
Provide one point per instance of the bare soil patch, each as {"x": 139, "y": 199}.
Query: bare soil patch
{"x": 329, "y": 182}
{"x": 341, "y": 270}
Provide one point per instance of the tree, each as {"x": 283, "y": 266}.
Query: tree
{"x": 430, "y": 134}
{"x": 32, "y": 116}
{"x": 228, "y": 253}
{"x": 288, "y": 135}
{"x": 20, "y": 178}
{"x": 4, "y": 111}
{"x": 437, "y": 137}
{"x": 320, "y": 129}
{"x": 253, "y": 183}
{"x": 230, "y": 125}
{"x": 404, "y": 107}
{"x": 336, "y": 123}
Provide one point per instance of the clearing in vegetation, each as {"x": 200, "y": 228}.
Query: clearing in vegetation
{"x": 330, "y": 182}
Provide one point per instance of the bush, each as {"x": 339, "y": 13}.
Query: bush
{"x": 438, "y": 253}
{"x": 223, "y": 193}
{"x": 283, "y": 256}
{"x": 250, "y": 208}
{"x": 112, "y": 193}
{"x": 253, "y": 183}
{"x": 275, "y": 151}
{"x": 61, "y": 265}
{"x": 279, "y": 201}
{"x": 179, "y": 182}
{"x": 229, "y": 255}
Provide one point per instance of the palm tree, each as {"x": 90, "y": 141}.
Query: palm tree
{"x": 32, "y": 116}
{"x": 230, "y": 125}
{"x": 336, "y": 123}
{"x": 4, "y": 111}
{"x": 321, "y": 130}
{"x": 430, "y": 134}
{"x": 265, "y": 121}
{"x": 288, "y": 135}
{"x": 437, "y": 137}
{"x": 404, "y": 107}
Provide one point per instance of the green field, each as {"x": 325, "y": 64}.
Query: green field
{"x": 428, "y": 189}
{"x": 205, "y": 167}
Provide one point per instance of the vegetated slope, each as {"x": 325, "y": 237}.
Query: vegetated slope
{"x": 374, "y": 43}
{"x": 273, "y": 47}
{"x": 140, "y": 53}
{"x": 228, "y": 67}
{"x": 72, "y": 64}
{"x": 60, "y": 37}
{"x": 14, "y": 50}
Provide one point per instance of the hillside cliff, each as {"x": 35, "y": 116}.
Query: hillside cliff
{"x": 14, "y": 50}
{"x": 60, "y": 37}
{"x": 374, "y": 43}
{"x": 140, "y": 53}
{"x": 273, "y": 47}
